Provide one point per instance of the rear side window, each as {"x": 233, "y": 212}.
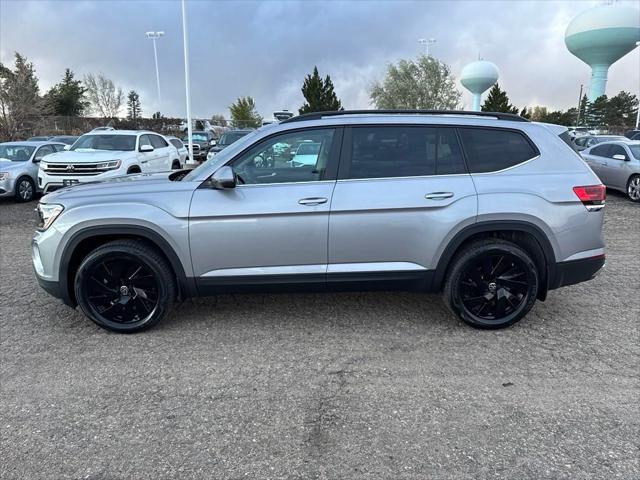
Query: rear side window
{"x": 176, "y": 143}
{"x": 490, "y": 150}
{"x": 600, "y": 150}
{"x": 379, "y": 152}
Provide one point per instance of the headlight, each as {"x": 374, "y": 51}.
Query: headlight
{"x": 47, "y": 213}
{"x": 113, "y": 165}
{"x": 4, "y": 175}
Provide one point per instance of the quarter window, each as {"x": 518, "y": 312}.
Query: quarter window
{"x": 490, "y": 150}
{"x": 379, "y": 152}
{"x": 176, "y": 143}
{"x": 144, "y": 140}
{"x": 290, "y": 157}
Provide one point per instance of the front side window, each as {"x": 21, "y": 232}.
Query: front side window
{"x": 491, "y": 150}
{"x": 300, "y": 156}
{"x": 616, "y": 150}
{"x": 122, "y": 143}
{"x": 44, "y": 150}
{"x": 158, "y": 142}
{"x": 379, "y": 152}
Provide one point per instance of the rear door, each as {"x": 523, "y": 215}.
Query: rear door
{"x": 272, "y": 228}
{"x": 147, "y": 159}
{"x": 400, "y": 191}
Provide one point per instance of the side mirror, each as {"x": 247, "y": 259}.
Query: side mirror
{"x": 223, "y": 178}
{"x": 37, "y": 159}
{"x": 619, "y": 156}
{"x": 146, "y": 148}
{"x": 213, "y": 143}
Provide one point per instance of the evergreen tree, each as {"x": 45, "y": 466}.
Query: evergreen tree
{"x": 498, "y": 101}
{"x": 244, "y": 113}
{"x": 67, "y": 97}
{"x": 597, "y": 112}
{"x": 621, "y": 110}
{"x": 157, "y": 116}
{"x": 524, "y": 113}
{"x": 134, "y": 108}
{"x": 319, "y": 94}
{"x": 584, "y": 108}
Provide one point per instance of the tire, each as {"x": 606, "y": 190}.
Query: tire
{"x": 633, "y": 188}
{"x": 491, "y": 284}
{"x": 176, "y": 165}
{"x": 25, "y": 189}
{"x": 125, "y": 286}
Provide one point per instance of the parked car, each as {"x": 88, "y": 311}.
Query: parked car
{"x": 489, "y": 209}
{"x": 183, "y": 152}
{"x": 66, "y": 139}
{"x": 617, "y": 164}
{"x": 102, "y": 154}
{"x": 590, "y": 140}
{"x": 19, "y": 167}
{"x": 575, "y": 132}
{"x": 227, "y": 139}
{"x": 42, "y": 138}
{"x": 632, "y": 134}
{"x": 202, "y": 141}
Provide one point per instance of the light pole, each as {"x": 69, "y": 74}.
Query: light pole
{"x": 154, "y": 36}
{"x": 427, "y": 42}
{"x": 638, "y": 114}
{"x": 185, "y": 42}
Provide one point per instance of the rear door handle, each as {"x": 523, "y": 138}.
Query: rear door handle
{"x": 438, "y": 195}
{"x": 312, "y": 201}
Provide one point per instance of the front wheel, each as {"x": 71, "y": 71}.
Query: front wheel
{"x": 25, "y": 189}
{"x": 491, "y": 284}
{"x": 125, "y": 286}
{"x": 633, "y": 188}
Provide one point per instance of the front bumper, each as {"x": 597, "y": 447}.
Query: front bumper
{"x": 576, "y": 271}
{"x": 7, "y": 187}
{"x": 49, "y": 183}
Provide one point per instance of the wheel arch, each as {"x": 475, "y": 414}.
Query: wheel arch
{"x": 525, "y": 234}
{"x": 87, "y": 239}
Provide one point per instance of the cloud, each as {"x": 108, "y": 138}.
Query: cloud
{"x": 265, "y": 49}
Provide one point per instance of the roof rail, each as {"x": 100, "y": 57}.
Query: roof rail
{"x": 318, "y": 115}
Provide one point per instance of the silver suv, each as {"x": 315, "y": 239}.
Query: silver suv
{"x": 491, "y": 210}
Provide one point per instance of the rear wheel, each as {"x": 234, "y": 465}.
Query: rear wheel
{"x": 125, "y": 286}
{"x": 25, "y": 189}
{"x": 633, "y": 188}
{"x": 491, "y": 284}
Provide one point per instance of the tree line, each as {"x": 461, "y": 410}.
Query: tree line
{"x": 423, "y": 83}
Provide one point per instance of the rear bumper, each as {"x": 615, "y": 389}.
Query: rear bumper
{"x": 576, "y": 271}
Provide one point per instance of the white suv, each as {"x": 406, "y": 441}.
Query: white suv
{"x": 99, "y": 155}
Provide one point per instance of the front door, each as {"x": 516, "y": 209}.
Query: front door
{"x": 401, "y": 190}
{"x": 616, "y": 170}
{"x": 272, "y": 228}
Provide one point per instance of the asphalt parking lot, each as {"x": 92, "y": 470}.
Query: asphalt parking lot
{"x": 372, "y": 385}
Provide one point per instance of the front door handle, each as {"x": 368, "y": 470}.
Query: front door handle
{"x": 312, "y": 201}
{"x": 438, "y": 195}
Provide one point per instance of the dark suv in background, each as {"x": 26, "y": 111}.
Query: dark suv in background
{"x": 202, "y": 140}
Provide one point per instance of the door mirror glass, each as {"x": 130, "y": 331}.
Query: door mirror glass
{"x": 146, "y": 148}
{"x": 619, "y": 156}
{"x": 223, "y": 178}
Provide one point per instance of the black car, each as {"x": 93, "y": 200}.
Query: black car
{"x": 228, "y": 138}
{"x": 202, "y": 141}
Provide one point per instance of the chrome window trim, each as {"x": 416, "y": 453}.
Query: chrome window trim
{"x": 249, "y": 185}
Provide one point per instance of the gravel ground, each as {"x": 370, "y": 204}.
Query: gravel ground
{"x": 372, "y": 385}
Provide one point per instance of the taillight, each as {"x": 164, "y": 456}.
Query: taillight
{"x": 592, "y": 196}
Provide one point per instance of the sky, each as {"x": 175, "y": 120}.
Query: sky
{"x": 264, "y": 49}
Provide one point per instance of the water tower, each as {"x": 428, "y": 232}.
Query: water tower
{"x": 601, "y": 36}
{"x": 478, "y": 77}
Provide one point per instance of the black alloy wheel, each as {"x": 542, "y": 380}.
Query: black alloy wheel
{"x": 125, "y": 286}
{"x": 493, "y": 284}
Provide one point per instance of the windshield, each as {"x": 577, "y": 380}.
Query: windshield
{"x": 16, "y": 153}
{"x": 229, "y": 138}
{"x": 635, "y": 150}
{"x": 121, "y": 143}
{"x": 611, "y": 139}
{"x": 197, "y": 137}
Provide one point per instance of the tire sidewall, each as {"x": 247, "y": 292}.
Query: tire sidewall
{"x": 633, "y": 177}
{"x": 164, "y": 291}
{"x": 17, "y": 188}
{"x": 460, "y": 268}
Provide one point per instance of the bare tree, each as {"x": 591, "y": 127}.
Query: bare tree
{"x": 105, "y": 98}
